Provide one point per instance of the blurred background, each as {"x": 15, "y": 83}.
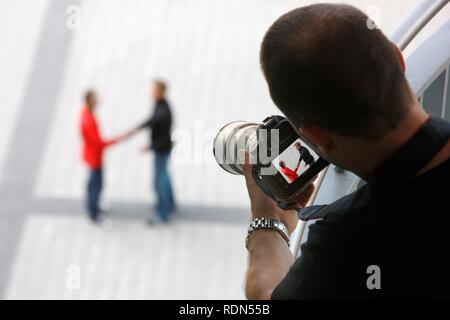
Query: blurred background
{"x": 207, "y": 51}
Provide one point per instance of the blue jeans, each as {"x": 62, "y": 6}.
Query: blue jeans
{"x": 94, "y": 189}
{"x": 163, "y": 186}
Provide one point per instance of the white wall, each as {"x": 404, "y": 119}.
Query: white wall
{"x": 208, "y": 52}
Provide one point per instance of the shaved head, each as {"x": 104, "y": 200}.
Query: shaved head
{"x": 325, "y": 67}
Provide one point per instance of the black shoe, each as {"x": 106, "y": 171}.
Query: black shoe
{"x": 103, "y": 222}
{"x": 156, "y": 221}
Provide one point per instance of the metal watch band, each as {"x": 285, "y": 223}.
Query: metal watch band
{"x": 267, "y": 223}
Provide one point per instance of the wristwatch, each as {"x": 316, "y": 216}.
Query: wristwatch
{"x": 267, "y": 223}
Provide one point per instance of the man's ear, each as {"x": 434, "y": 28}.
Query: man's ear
{"x": 318, "y": 137}
{"x": 400, "y": 57}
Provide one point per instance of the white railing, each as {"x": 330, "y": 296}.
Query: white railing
{"x": 415, "y": 21}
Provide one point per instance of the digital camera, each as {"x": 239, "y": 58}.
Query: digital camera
{"x": 283, "y": 164}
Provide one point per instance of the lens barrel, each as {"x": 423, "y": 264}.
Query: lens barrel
{"x": 230, "y": 139}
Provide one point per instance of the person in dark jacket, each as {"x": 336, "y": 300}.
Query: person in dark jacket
{"x": 305, "y": 155}
{"x": 160, "y": 125}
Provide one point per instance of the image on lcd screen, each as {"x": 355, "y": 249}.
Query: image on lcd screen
{"x": 295, "y": 160}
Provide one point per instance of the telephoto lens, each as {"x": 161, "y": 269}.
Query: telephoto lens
{"x": 282, "y": 163}
{"x": 235, "y": 136}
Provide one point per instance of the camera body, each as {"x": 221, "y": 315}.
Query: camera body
{"x": 283, "y": 187}
{"x": 283, "y": 164}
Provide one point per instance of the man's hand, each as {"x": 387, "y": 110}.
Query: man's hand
{"x": 127, "y": 135}
{"x": 263, "y": 206}
{"x": 145, "y": 148}
{"x": 269, "y": 255}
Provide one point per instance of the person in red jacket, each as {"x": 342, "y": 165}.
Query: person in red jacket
{"x": 92, "y": 150}
{"x": 292, "y": 175}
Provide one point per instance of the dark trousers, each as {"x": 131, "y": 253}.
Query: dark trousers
{"x": 94, "y": 189}
{"x": 163, "y": 186}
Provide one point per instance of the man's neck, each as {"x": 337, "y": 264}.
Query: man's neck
{"x": 379, "y": 151}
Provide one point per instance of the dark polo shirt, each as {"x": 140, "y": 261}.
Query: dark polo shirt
{"x": 401, "y": 226}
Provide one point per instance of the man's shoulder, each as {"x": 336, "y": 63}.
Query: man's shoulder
{"x": 339, "y": 221}
{"x": 331, "y": 254}
{"x": 163, "y": 108}
{"x": 163, "y": 104}
{"x": 303, "y": 150}
{"x": 344, "y": 207}
{"x": 366, "y": 228}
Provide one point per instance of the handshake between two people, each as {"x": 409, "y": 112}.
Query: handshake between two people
{"x": 128, "y": 135}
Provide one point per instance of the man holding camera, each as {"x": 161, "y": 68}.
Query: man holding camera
{"x": 342, "y": 85}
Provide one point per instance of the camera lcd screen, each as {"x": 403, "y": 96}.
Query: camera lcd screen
{"x": 295, "y": 160}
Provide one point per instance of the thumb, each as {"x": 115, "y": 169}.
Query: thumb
{"x": 246, "y": 166}
{"x": 245, "y": 158}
